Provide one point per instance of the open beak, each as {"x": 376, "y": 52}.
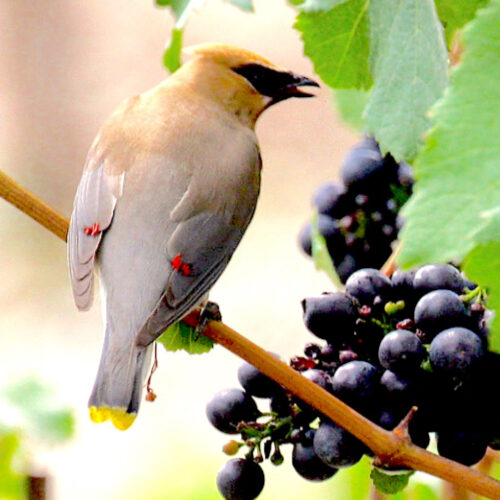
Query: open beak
{"x": 293, "y": 88}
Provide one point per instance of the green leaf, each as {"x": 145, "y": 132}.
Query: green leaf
{"x": 456, "y": 13}
{"x": 320, "y": 254}
{"x": 409, "y": 64}
{"x": 337, "y": 43}
{"x": 245, "y": 5}
{"x": 390, "y": 483}
{"x": 178, "y": 7}
{"x": 482, "y": 265}
{"x": 39, "y": 413}
{"x": 181, "y": 10}
{"x": 350, "y": 104}
{"x": 12, "y": 484}
{"x": 181, "y": 336}
{"x": 172, "y": 54}
{"x": 458, "y": 174}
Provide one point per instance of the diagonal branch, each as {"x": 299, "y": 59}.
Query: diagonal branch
{"x": 32, "y": 206}
{"x": 391, "y": 448}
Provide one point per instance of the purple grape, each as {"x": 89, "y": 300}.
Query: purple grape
{"x": 367, "y": 284}
{"x": 401, "y": 351}
{"x": 240, "y": 479}
{"x": 229, "y": 407}
{"x": 438, "y": 310}
{"x": 330, "y": 316}
{"x": 455, "y": 352}
{"x": 336, "y": 447}
{"x": 308, "y": 465}
{"x": 435, "y": 277}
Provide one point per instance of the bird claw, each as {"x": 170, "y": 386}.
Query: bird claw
{"x": 209, "y": 312}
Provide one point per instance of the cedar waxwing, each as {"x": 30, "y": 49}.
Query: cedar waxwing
{"x": 169, "y": 186}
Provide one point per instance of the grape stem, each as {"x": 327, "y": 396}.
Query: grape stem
{"x": 390, "y": 448}
{"x": 478, "y": 293}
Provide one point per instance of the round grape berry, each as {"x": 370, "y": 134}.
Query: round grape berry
{"x": 330, "y": 316}
{"x": 363, "y": 169}
{"x": 464, "y": 446}
{"x": 229, "y": 407}
{"x": 308, "y": 465}
{"x": 401, "y": 351}
{"x": 434, "y": 277}
{"x": 240, "y": 479}
{"x": 455, "y": 352}
{"x": 367, "y": 284}
{"x": 438, "y": 310}
{"x": 336, "y": 447}
{"x": 356, "y": 383}
{"x": 256, "y": 383}
{"x": 330, "y": 199}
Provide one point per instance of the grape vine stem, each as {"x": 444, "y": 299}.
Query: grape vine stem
{"x": 391, "y": 448}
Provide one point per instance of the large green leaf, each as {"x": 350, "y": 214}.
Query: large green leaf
{"x": 337, "y": 42}
{"x": 456, "y": 13}
{"x": 409, "y": 66}
{"x": 458, "y": 173}
{"x": 350, "y": 104}
{"x": 482, "y": 265}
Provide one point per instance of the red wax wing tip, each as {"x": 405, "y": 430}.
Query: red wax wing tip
{"x": 93, "y": 230}
{"x": 186, "y": 270}
{"x": 178, "y": 264}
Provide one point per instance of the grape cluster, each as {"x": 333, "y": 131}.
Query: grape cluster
{"x": 416, "y": 339}
{"x": 358, "y": 217}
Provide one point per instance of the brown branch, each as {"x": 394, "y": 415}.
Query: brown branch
{"x": 390, "y": 448}
{"x": 32, "y": 206}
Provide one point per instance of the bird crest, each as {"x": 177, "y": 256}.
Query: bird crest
{"x": 227, "y": 55}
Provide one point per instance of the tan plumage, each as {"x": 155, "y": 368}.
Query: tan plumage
{"x": 169, "y": 187}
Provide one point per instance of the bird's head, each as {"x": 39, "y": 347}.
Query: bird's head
{"x": 241, "y": 80}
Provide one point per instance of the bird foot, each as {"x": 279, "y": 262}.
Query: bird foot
{"x": 209, "y": 312}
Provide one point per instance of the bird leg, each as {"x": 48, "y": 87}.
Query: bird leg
{"x": 210, "y": 311}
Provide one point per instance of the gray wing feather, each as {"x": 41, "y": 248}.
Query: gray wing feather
{"x": 207, "y": 256}
{"x": 205, "y": 240}
{"x": 95, "y": 201}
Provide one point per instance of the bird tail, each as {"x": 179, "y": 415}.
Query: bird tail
{"x": 118, "y": 386}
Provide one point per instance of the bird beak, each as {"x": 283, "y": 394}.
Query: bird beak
{"x": 292, "y": 89}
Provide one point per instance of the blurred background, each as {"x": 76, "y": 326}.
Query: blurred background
{"x": 65, "y": 66}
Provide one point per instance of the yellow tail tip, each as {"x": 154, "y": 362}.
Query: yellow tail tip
{"x": 118, "y": 416}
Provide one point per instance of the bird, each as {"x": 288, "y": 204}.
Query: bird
{"x": 169, "y": 186}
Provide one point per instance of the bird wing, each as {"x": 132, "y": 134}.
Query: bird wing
{"x": 204, "y": 240}
{"x": 93, "y": 209}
